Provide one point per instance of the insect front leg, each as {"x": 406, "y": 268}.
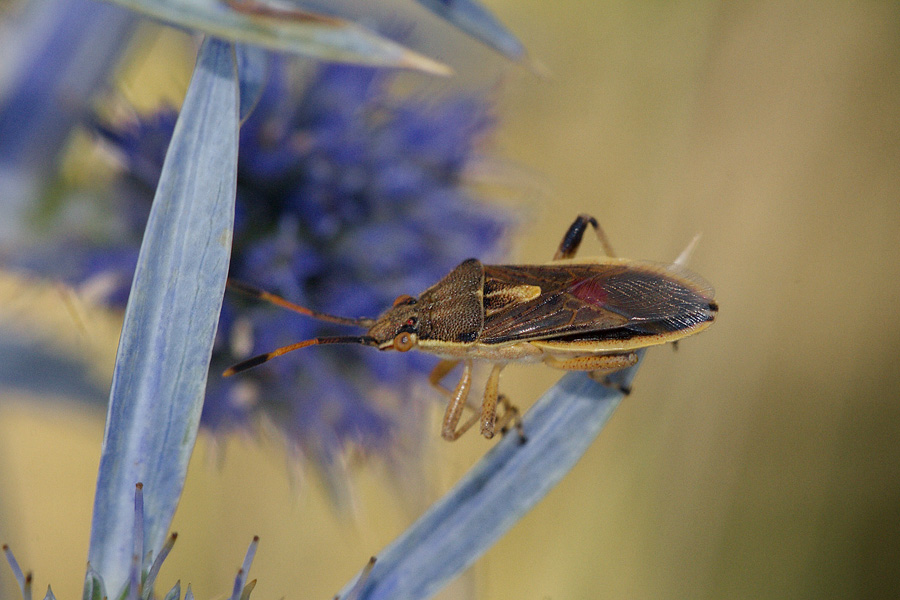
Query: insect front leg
{"x": 568, "y": 247}
{"x": 440, "y": 371}
{"x": 451, "y": 429}
{"x": 437, "y": 375}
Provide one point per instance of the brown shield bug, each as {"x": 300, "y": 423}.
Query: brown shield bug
{"x": 571, "y": 314}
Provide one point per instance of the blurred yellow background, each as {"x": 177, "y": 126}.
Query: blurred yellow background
{"x": 761, "y": 460}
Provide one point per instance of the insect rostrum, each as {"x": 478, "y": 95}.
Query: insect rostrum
{"x": 571, "y": 314}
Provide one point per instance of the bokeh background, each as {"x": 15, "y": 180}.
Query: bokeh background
{"x": 760, "y": 460}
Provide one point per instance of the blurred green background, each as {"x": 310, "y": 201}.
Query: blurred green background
{"x": 760, "y": 460}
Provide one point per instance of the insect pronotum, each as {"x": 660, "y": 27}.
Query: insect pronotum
{"x": 571, "y": 314}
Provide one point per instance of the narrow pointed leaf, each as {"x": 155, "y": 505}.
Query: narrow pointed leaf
{"x": 150, "y": 581}
{"x": 170, "y": 322}
{"x": 56, "y": 56}
{"x": 253, "y": 71}
{"x": 93, "y": 586}
{"x": 495, "y": 493}
{"x": 174, "y": 593}
{"x": 16, "y": 569}
{"x": 248, "y": 558}
{"x": 473, "y": 18}
{"x": 287, "y": 30}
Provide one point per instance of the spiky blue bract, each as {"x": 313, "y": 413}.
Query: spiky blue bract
{"x": 174, "y": 593}
{"x": 253, "y": 65}
{"x": 170, "y": 321}
{"x": 476, "y": 20}
{"x": 496, "y": 492}
{"x": 16, "y": 569}
{"x": 300, "y": 32}
{"x": 93, "y": 586}
{"x": 56, "y": 55}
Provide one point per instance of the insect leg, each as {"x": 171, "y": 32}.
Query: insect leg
{"x": 599, "y": 366}
{"x": 597, "y": 362}
{"x": 510, "y": 413}
{"x": 451, "y": 430}
{"x": 568, "y": 247}
{"x": 489, "y": 404}
{"x": 440, "y": 371}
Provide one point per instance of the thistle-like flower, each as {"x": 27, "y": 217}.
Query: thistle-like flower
{"x": 348, "y": 196}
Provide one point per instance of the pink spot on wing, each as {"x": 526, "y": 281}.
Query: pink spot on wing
{"x": 589, "y": 291}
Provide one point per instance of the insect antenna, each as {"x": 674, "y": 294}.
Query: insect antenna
{"x": 249, "y": 290}
{"x": 365, "y": 340}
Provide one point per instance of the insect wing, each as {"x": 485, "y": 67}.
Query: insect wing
{"x": 658, "y": 298}
{"x": 592, "y": 301}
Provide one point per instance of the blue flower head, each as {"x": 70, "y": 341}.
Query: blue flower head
{"x": 348, "y": 196}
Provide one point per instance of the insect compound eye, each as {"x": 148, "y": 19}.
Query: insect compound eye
{"x": 404, "y": 341}
{"x": 404, "y": 299}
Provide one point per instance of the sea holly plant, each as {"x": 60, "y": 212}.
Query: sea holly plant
{"x": 292, "y": 27}
{"x": 170, "y": 322}
{"x": 170, "y": 328}
{"x": 343, "y": 185}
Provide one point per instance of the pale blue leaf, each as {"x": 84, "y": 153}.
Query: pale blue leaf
{"x": 56, "y": 57}
{"x": 150, "y": 579}
{"x": 253, "y": 72}
{"x": 16, "y": 569}
{"x": 248, "y": 560}
{"x": 473, "y": 18}
{"x": 287, "y": 30}
{"x": 59, "y": 54}
{"x": 496, "y": 492}
{"x": 93, "y": 586}
{"x": 170, "y": 322}
{"x": 174, "y": 593}
{"x": 137, "y": 543}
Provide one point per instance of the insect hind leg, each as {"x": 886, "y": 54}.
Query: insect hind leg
{"x": 511, "y": 415}
{"x": 568, "y": 247}
{"x": 599, "y": 366}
